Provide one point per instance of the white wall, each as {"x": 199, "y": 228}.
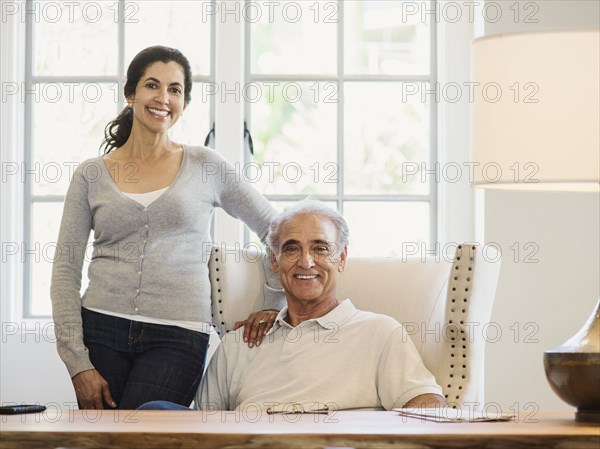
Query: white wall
{"x": 30, "y": 369}
{"x": 558, "y": 292}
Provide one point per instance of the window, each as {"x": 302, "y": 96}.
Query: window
{"x": 324, "y": 97}
{"x": 329, "y": 112}
{"x": 76, "y": 58}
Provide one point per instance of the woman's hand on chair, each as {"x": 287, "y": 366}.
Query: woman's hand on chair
{"x": 256, "y": 326}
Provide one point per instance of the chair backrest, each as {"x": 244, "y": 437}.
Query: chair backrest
{"x": 444, "y": 305}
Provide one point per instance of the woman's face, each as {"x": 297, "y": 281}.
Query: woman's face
{"x": 158, "y": 101}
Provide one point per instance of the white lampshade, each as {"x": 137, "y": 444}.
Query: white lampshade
{"x": 536, "y": 111}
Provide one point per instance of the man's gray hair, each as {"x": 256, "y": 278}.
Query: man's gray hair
{"x": 308, "y": 207}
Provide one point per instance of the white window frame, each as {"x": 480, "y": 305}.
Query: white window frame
{"x": 12, "y": 154}
{"x": 455, "y": 205}
{"x": 457, "y": 202}
{"x": 341, "y": 197}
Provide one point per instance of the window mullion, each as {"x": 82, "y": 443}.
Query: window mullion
{"x": 433, "y": 134}
{"x": 12, "y": 112}
{"x": 121, "y": 41}
{"x": 28, "y": 242}
{"x": 340, "y": 108}
{"x": 455, "y": 201}
{"x": 229, "y": 107}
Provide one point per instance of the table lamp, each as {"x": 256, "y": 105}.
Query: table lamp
{"x": 536, "y": 127}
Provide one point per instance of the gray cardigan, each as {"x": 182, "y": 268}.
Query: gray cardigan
{"x": 151, "y": 261}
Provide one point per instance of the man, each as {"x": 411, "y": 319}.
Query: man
{"x": 321, "y": 353}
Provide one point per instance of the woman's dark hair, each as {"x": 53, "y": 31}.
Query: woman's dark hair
{"x": 117, "y": 131}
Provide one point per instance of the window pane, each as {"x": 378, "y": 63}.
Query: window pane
{"x": 293, "y": 37}
{"x": 382, "y": 147}
{"x": 68, "y": 127}
{"x": 45, "y": 223}
{"x": 294, "y": 132}
{"x": 390, "y": 224}
{"x": 74, "y": 38}
{"x": 183, "y": 25}
{"x": 387, "y": 37}
{"x": 194, "y": 125}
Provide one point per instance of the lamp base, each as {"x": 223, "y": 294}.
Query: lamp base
{"x": 587, "y": 416}
{"x": 573, "y": 370}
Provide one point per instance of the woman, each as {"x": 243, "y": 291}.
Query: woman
{"x": 140, "y": 331}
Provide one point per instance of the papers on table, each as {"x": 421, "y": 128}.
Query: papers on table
{"x": 446, "y": 415}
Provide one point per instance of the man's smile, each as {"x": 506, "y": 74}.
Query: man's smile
{"x": 306, "y": 276}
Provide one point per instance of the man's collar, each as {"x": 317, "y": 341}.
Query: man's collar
{"x": 338, "y": 316}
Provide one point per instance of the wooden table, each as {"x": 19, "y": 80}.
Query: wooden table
{"x": 357, "y": 429}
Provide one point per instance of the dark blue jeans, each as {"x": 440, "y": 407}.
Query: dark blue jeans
{"x": 145, "y": 362}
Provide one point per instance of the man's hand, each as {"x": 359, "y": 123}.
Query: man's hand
{"x": 91, "y": 388}
{"x": 256, "y": 326}
{"x": 427, "y": 400}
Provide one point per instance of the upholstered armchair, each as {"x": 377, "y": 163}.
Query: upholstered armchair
{"x": 444, "y": 304}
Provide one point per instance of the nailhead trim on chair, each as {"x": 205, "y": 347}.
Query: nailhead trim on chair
{"x": 216, "y": 284}
{"x": 459, "y": 293}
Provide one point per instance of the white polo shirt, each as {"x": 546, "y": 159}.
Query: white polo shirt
{"x": 345, "y": 359}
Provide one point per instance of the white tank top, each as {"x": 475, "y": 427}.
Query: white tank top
{"x": 147, "y": 198}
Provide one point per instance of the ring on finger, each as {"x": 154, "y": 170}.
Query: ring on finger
{"x": 261, "y": 322}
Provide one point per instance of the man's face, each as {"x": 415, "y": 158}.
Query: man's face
{"x": 308, "y": 260}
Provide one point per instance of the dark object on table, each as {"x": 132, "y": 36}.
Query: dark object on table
{"x": 18, "y": 409}
{"x": 573, "y": 370}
